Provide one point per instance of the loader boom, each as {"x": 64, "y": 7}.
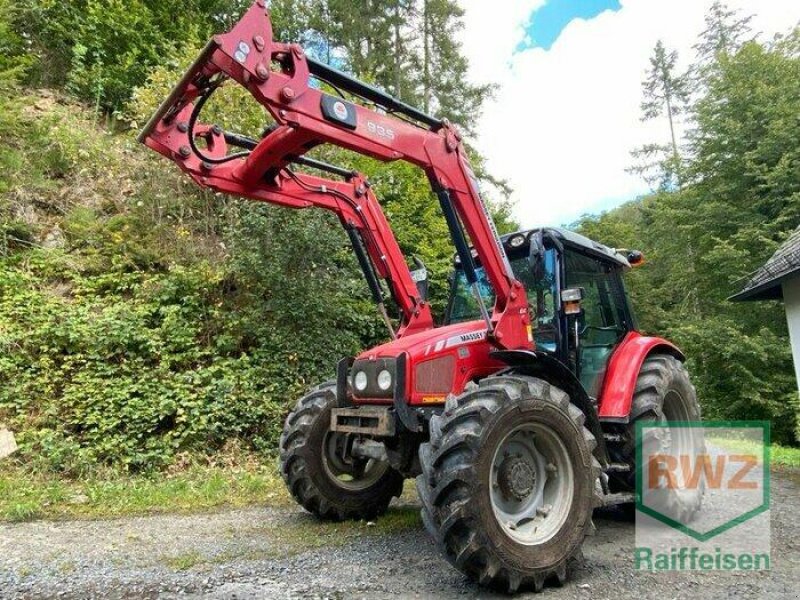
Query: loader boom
{"x": 279, "y": 77}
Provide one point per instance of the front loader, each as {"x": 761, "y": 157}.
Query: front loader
{"x": 517, "y": 415}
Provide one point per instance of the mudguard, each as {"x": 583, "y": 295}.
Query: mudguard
{"x": 623, "y": 370}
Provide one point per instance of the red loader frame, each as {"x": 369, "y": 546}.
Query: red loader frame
{"x": 278, "y": 76}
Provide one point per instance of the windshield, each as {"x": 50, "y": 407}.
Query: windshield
{"x": 541, "y": 297}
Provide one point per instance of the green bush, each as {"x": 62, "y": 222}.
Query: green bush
{"x": 13, "y": 61}
{"x": 162, "y": 319}
{"x": 102, "y": 49}
{"x": 127, "y": 368}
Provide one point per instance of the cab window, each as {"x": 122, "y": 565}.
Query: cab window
{"x": 541, "y": 298}
{"x": 463, "y": 306}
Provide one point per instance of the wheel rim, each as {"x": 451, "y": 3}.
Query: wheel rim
{"x": 345, "y": 470}
{"x": 531, "y": 483}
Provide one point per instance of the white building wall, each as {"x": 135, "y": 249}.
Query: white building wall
{"x": 791, "y": 300}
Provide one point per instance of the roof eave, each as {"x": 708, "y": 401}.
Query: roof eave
{"x": 768, "y": 290}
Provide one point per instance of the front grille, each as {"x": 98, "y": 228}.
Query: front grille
{"x": 435, "y": 376}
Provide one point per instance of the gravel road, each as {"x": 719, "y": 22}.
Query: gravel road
{"x": 284, "y": 553}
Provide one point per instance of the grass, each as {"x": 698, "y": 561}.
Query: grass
{"x": 182, "y": 562}
{"x": 780, "y": 456}
{"x": 785, "y": 457}
{"x": 25, "y": 496}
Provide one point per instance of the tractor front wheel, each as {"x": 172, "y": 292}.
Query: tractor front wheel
{"x": 319, "y": 470}
{"x": 508, "y": 482}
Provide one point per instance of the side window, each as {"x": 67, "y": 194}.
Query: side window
{"x": 603, "y": 319}
{"x": 463, "y": 305}
{"x": 541, "y": 293}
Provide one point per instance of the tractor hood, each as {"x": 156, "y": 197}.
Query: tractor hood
{"x": 436, "y": 363}
{"x": 433, "y": 340}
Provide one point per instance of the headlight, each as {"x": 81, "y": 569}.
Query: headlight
{"x": 384, "y": 380}
{"x": 516, "y": 241}
{"x": 360, "y": 381}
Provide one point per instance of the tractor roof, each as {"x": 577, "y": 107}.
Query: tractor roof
{"x": 566, "y": 237}
{"x": 576, "y": 240}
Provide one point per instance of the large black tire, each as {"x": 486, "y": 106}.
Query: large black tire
{"x": 307, "y": 471}
{"x": 663, "y": 393}
{"x": 458, "y": 477}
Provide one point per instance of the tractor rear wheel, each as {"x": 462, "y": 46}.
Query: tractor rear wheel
{"x": 508, "y": 482}
{"x": 663, "y": 394}
{"x": 319, "y": 470}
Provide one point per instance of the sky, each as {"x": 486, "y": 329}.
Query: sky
{"x": 566, "y": 113}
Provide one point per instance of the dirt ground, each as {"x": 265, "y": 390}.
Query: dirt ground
{"x": 285, "y": 553}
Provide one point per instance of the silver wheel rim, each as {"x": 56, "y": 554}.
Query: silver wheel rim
{"x": 354, "y": 474}
{"x": 532, "y": 484}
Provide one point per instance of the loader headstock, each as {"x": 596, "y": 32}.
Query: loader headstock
{"x": 278, "y": 75}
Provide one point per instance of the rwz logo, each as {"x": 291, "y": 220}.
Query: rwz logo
{"x": 666, "y": 471}
{"x": 702, "y": 479}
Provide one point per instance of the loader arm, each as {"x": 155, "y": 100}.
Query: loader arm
{"x": 278, "y": 76}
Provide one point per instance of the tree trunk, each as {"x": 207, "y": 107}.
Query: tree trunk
{"x": 675, "y": 155}
{"x": 397, "y": 49}
{"x": 671, "y": 126}
{"x": 426, "y": 58}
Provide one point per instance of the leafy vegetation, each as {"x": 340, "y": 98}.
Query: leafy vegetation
{"x": 740, "y": 199}
{"x": 208, "y": 317}
{"x": 13, "y": 61}
{"x": 101, "y": 50}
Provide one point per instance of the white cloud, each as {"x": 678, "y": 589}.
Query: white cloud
{"x": 563, "y": 121}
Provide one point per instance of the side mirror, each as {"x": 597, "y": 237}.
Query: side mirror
{"x": 571, "y": 300}
{"x": 420, "y": 277}
{"x": 536, "y": 255}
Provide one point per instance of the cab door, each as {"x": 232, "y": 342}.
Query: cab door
{"x": 604, "y": 318}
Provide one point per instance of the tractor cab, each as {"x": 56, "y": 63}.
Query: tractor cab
{"x": 577, "y": 302}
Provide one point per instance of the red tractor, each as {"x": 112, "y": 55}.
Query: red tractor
{"x": 517, "y": 415}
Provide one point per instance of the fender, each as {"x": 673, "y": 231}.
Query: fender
{"x": 547, "y": 367}
{"x": 623, "y": 370}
